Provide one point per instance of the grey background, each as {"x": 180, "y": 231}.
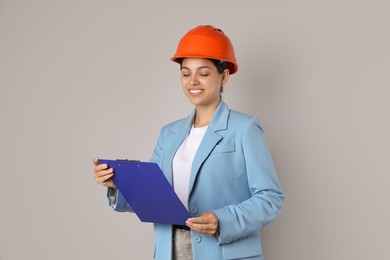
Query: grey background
{"x": 84, "y": 78}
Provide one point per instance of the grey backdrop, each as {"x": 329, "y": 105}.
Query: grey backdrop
{"x": 84, "y": 78}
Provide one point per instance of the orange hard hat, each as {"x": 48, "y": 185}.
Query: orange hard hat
{"x": 208, "y": 42}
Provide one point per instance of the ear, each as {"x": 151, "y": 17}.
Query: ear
{"x": 225, "y": 77}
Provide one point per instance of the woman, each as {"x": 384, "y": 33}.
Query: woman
{"x": 216, "y": 159}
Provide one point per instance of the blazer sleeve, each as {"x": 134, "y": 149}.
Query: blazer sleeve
{"x": 117, "y": 201}
{"x": 156, "y": 157}
{"x": 266, "y": 201}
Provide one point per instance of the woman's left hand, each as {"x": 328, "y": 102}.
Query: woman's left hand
{"x": 206, "y": 223}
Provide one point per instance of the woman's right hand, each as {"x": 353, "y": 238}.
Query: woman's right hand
{"x": 103, "y": 174}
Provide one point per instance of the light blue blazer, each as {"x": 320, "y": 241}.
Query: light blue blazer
{"x": 232, "y": 175}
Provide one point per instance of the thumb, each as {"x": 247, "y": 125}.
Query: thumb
{"x": 96, "y": 160}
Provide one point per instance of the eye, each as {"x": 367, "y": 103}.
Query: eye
{"x": 204, "y": 73}
{"x": 185, "y": 73}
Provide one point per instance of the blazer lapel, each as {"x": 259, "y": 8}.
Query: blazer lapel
{"x": 176, "y": 137}
{"x": 212, "y": 136}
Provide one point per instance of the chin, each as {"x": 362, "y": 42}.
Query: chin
{"x": 193, "y": 101}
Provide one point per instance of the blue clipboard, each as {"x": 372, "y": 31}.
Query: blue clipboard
{"x": 148, "y": 192}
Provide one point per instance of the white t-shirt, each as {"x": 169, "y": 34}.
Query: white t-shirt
{"x": 182, "y": 163}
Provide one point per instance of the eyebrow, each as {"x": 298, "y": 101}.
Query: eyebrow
{"x": 201, "y": 67}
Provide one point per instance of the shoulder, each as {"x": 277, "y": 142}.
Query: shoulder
{"x": 176, "y": 126}
{"x": 176, "y": 123}
{"x": 242, "y": 120}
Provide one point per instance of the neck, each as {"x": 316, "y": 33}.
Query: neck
{"x": 204, "y": 115}
{"x": 200, "y": 123}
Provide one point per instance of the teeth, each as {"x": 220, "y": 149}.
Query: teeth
{"x": 195, "y": 91}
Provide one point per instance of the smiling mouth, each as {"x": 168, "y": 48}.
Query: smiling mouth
{"x": 195, "y": 91}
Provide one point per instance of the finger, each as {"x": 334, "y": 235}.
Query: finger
{"x": 95, "y": 160}
{"x": 204, "y": 225}
{"x": 101, "y": 167}
{"x": 204, "y": 218}
{"x": 103, "y": 173}
{"x": 198, "y": 220}
{"x": 109, "y": 184}
{"x": 207, "y": 230}
{"x": 104, "y": 178}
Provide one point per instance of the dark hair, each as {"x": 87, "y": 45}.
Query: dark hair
{"x": 219, "y": 64}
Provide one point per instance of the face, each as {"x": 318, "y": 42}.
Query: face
{"x": 201, "y": 82}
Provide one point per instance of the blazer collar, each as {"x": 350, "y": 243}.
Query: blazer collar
{"x": 213, "y": 135}
{"x": 220, "y": 117}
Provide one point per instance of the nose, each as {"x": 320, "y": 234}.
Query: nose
{"x": 194, "y": 80}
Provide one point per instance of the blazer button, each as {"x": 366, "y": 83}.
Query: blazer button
{"x": 194, "y": 210}
{"x": 197, "y": 239}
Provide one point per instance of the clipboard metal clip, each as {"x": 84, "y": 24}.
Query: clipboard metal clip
{"x": 126, "y": 160}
